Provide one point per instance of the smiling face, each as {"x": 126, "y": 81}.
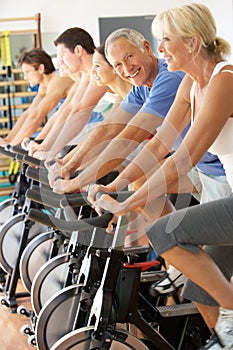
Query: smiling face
{"x": 31, "y": 74}
{"x": 102, "y": 70}
{"x": 131, "y": 63}
{"x": 176, "y": 50}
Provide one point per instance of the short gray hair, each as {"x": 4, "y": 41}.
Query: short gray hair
{"x": 132, "y": 35}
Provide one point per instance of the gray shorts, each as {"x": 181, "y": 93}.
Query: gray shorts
{"x": 209, "y": 188}
{"x": 209, "y": 225}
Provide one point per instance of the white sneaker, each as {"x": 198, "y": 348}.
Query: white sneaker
{"x": 224, "y": 327}
{"x": 172, "y": 280}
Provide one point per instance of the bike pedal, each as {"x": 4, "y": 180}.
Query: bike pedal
{"x": 177, "y": 310}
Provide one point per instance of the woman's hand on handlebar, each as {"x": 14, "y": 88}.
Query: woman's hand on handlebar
{"x": 106, "y": 202}
{"x": 41, "y": 154}
{"x": 31, "y": 146}
{"x": 25, "y": 144}
{"x": 57, "y": 171}
{"x": 94, "y": 189}
{"x": 65, "y": 186}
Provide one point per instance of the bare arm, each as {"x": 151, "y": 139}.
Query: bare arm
{"x": 36, "y": 113}
{"x": 114, "y": 153}
{"x": 32, "y": 146}
{"x": 53, "y": 119}
{"x": 74, "y": 158}
{"x": 137, "y": 130}
{"x": 78, "y": 117}
{"x": 68, "y": 126}
{"x": 76, "y": 92}
{"x": 35, "y": 148}
{"x": 155, "y": 151}
{"x": 91, "y": 147}
{"x": 19, "y": 124}
{"x": 209, "y": 122}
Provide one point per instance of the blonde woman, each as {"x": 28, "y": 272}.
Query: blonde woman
{"x": 188, "y": 42}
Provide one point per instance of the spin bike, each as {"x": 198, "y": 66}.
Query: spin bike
{"x": 96, "y": 317}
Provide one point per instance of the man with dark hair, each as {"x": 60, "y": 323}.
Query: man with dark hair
{"x": 75, "y": 48}
{"x": 76, "y": 36}
{"x": 35, "y": 58}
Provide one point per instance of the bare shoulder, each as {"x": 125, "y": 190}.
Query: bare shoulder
{"x": 224, "y": 78}
{"x": 224, "y": 75}
{"x": 59, "y": 85}
{"x": 227, "y": 69}
{"x": 58, "y": 80}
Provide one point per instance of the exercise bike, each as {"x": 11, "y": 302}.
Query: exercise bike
{"x": 117, "y": 301}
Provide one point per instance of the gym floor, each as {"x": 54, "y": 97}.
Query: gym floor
{"x": 10, "y": 324}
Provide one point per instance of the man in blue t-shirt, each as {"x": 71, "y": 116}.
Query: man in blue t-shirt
{"x": 138, "y": 116}
{"x": 135, "y": 119}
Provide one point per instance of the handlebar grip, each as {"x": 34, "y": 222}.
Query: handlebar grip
{"x": 106, "y": 179}
{"x": 32, "y": 161}
{"x": 19, "y": 150}
{"x": 37, "y": 174}
{"x": 120, "y": 196}
{"x": 52, "y": 199}
{"x": 7, "y": 153}
{"x": 44, "y": 199}
{"x": 19, "y": 157}
{"x": 69, "y": 226}
{"x": 74, "y": 201}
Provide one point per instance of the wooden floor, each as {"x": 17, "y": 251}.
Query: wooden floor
{"x": 10, "y": 323}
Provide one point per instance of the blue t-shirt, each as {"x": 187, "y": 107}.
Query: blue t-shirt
{"x": 211, "y": 165}
{"x": 155, "y": 100}
{"x": 95, "y": 117}
{"x": 158, "y": 100}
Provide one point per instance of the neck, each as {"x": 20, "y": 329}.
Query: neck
{"x": 47, "y": 78}
{"x": 154, "y": 72}
{"x": 201, "y": 71}
{"x": 87, "y": 66}
{"x": 76, "y": 76}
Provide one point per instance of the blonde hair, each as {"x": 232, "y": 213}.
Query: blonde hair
{"x": 193, "y": 20}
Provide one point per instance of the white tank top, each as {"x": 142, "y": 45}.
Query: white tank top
{"x": 223, "y": 145}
